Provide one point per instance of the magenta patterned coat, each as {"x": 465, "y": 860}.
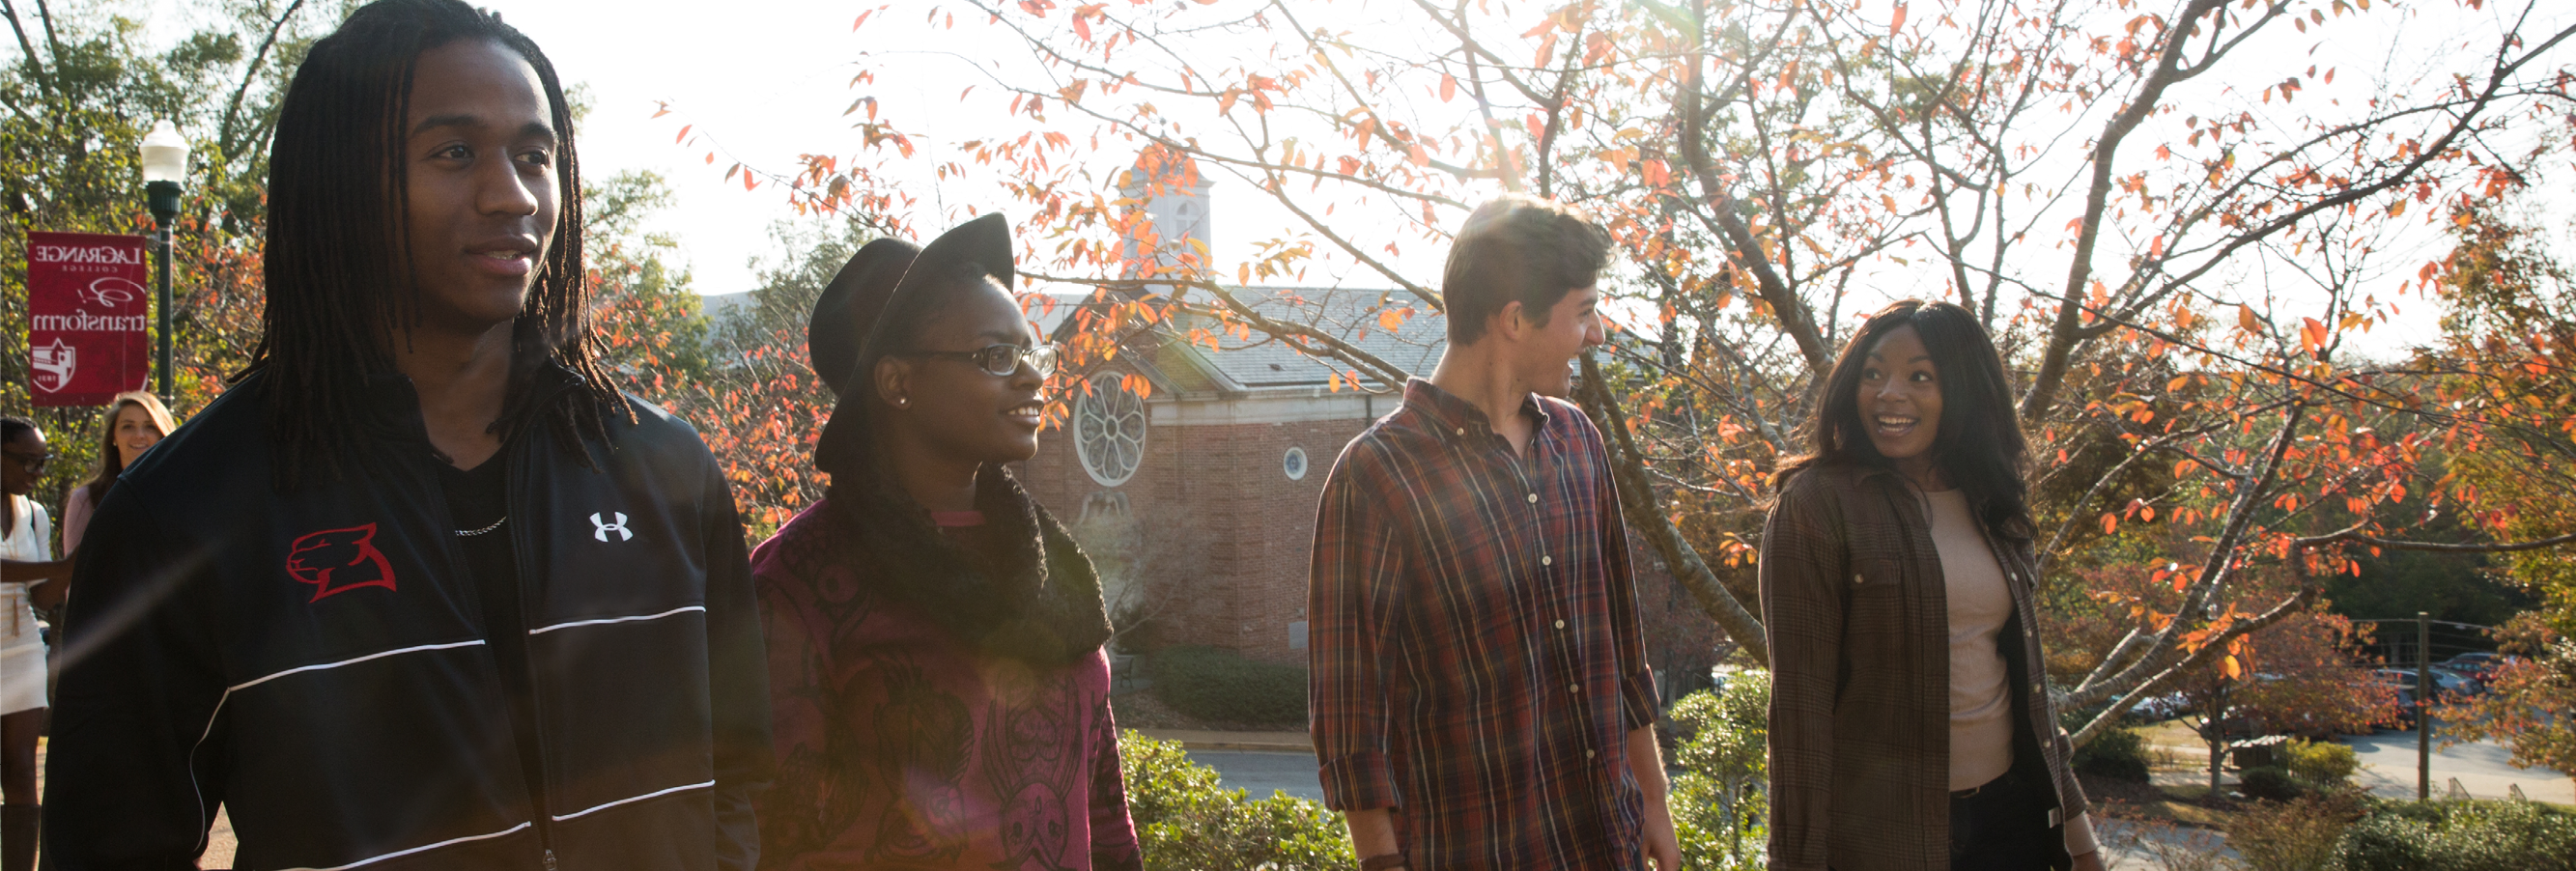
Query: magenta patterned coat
{"x": 900, "y": 744}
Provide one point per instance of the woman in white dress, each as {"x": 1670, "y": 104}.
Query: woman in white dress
{"x": 29, "y": 574}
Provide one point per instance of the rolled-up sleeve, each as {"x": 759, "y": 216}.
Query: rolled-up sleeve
{"x": 1802, "y": 610}
{"x": 1349, "y": 583}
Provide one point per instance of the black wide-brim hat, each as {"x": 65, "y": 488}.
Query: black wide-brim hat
{"x": 857, "y": 294}
{"x": 862, "y": 316}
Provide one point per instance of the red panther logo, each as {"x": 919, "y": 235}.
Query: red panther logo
{"x": 339, "y": 560}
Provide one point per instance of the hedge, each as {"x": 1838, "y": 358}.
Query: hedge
{"x": 2461, "y": 836}
{"x": 2119, "y": 754}
{"x": 1185, "y": 821}
{"x": 1213, "y": 684}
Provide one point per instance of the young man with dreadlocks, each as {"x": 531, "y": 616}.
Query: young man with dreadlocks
{"x": 421, "y": 590}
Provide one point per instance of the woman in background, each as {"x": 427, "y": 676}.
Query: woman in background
{"x": 938, "y": 691}
{"x": 30, "y": 578}
{"x": 1911, "y": 728}
{"x": 134, "y": 424}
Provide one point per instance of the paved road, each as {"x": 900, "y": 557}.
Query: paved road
{"x": 1257, "y": 773}
{"x": 2388, "y": 769}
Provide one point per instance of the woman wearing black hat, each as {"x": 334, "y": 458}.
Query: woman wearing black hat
{"x": 938, "y": 689}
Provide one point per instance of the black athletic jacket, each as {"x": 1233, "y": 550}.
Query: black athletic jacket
{"x": 317, "y": 663}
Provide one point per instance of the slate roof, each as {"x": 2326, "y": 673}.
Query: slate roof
{"x": 1349, "y": 314}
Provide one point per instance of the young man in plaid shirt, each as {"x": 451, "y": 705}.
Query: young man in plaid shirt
{"x": 1481, "y": 697}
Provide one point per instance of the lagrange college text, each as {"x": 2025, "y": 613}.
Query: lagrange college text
{"x": 92, "y": 258}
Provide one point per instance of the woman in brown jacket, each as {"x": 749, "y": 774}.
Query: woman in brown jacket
{"x": 1911, "y": 726}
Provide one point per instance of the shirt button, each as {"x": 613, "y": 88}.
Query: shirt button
{"x": 1589, "y": 754}
{"x": 1533, "y": 498}
{"x": 1560, "y": 624}
{"x": 1547, "y": 561}
{"x": 1574, "y": 688}
{"x": 1462, "y": 430}
{"x": 1855, "y": 577}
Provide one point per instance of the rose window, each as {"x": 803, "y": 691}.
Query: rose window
{"x": 1109, "y": 430}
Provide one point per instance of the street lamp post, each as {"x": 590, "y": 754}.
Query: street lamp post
{"x": 165, "y": 165}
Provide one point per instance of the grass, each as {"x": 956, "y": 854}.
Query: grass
{"x": 2178, "y": 805}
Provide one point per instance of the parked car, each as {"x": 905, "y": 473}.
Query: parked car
{"x": 2159, "y": 708}
{"x": 2457, "y": 682}
{"x": 2476, "y": 664}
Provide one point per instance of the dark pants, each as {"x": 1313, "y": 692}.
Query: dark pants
{"x": 2002, "y": 827}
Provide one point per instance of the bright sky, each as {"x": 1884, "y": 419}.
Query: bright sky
{"x": 767, "y": 76}
{"x": 766, "y": 81}
{"x": 763, "y": 81}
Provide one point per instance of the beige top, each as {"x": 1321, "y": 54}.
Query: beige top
{"x": 1980, "y": 604}
{"x": 1980, "y": 704}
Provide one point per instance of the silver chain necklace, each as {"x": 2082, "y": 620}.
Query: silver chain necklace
{"x": 470, "y": 533}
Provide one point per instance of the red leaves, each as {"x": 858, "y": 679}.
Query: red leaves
{"x": 1658, "y": 175}
{"x": 2312, "y": 335}
{"x": 1897, "y": 23}
{"x": 1082, "y": 22}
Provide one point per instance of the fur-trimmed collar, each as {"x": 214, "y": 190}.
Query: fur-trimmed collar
{"x": 1033, "y": 597}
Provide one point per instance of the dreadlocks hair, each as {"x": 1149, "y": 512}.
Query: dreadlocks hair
{"x": 339, "y": 265}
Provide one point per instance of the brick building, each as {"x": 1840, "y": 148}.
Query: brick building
{"x": 1198, "y": 499}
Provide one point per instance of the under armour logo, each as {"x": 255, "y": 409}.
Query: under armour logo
{"x": 601, "y": 532}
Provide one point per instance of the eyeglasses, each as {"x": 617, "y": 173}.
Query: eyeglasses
{"x": 1000, "y": 361}
{"x": 33, "y": 463}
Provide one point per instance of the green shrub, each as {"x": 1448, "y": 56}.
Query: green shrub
{"x": 2298, "y": 835}
{"x": 2119, "y": 754}
{"x": 2461, "y": 836}
{"x": 1213, "y": 684}
{"x": 1185, "y": 821}
{"x": 2271, "y": 783}
{"x": 2323, "y": 765}
{"x": 1720, "y": 814}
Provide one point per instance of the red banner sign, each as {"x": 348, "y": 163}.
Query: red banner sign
{"x": 89, "y": 317}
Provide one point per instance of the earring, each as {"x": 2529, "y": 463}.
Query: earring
{"x": 902, "y": 401}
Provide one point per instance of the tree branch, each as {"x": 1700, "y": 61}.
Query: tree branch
{"x": 1637, "y": 502}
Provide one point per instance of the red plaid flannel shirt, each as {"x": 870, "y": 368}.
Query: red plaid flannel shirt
{"x": 1477, "y": 657}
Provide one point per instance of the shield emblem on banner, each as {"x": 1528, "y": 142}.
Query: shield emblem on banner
{"x": 54, "y": 365}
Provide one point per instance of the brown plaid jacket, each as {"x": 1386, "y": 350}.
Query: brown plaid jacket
{"x": 1860, "y": 685}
